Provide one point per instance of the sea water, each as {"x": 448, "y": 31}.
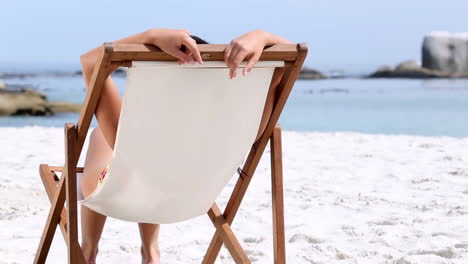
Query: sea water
{"x": 432, "y": 107}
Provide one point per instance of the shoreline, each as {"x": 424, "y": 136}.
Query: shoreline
{"x": 292, "y": 131}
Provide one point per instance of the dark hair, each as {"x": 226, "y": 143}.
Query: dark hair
{"x": 199, "y": 40}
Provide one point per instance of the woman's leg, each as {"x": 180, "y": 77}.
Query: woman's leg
{"x": 97, "y": 158}
{"x": 149, "y": 243}
{"x": 92, "y": 223}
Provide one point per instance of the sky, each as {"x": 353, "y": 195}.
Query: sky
{"x": 341, "y": 34}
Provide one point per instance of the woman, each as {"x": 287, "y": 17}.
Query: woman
{"x": 246, "y": 47}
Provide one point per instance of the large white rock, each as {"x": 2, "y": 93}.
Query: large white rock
{"x": 447, "y": 52}
{"x": 2, "y": 85}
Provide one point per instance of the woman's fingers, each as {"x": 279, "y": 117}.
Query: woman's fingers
{"x": 181, "y": 55}
{"x": 230, "y": 62}
{"x": 192, "y": 47}
{"x": 236, "y": 61}
{"x": 253, "y": 59}
{"x": 227, "y": 54}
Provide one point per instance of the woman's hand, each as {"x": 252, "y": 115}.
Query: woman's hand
{"x": 249, "y": 46}
{"x": 171, "y": 41}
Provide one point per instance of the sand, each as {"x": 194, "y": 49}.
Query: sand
{"x": 349, "y": 198}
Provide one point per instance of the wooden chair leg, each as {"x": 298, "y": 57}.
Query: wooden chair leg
{"x": 227, "y": 235}
{"x": 239, "y": 192}
{"x": 277, "y": 196}
{"x": 234, "y": 202}
{"x": 47, "y": 176}
{"x": 213, "y": 249}
{"x": 75, "y": 254}
{"x": 67, "y": 218}
{"x": 51, "y": 224}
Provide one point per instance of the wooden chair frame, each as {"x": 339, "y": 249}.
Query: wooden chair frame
{"x": 63, "y": 190}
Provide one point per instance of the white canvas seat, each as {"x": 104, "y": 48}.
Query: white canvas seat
{"x": 183, "y": 132}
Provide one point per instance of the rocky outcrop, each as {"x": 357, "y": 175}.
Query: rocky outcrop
{"x": 120, "y": 72}
{"x": 310, "y": 74}
{"x": 409, "y": 69}
{"x": 64, "y": 107}
{"x": 25, "y": 102}
{"x": 444, "y": 55}
{"x": 29, "y": 102}
{"x": 446, "y": 52}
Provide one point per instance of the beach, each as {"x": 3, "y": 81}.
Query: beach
{"x": 349, "y": 198}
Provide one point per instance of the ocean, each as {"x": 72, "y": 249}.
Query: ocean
{"x": 433, "y": 107}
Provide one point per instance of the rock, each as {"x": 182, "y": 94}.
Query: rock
{"x": 408, "y": 65}
{"x": 63, "y": 107}
{"x": 2, "y": 85}
{"x": 121, "y": 71}
{"x": 409, "y": 69}
{"x": 311, "y": 74}
{"x": 16, "y": 75}
{"x": 384, "y": 68}
{"x": 23, "y": 101}
{"x": 446, "y": 52}
{"x": 382, "y": 72}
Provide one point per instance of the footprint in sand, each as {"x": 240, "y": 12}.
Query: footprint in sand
{"x": 427, "y": 146}
{"x": 383, "y": 222}
{"x": 255, "y": 240}
{"x": 462, "y": 245}
{"x": 254, "y": 255}
{"x": 458, "y": 172}
{"x": 447, "y": 253}
{"x": 124, "y": 248}
{"x": 349, "y": 230}
{"x": 307, "y": 238}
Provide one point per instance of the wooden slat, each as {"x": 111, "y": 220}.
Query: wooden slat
{"x": 51, "y": 223}
{"x": 60, "y": 169}
{"x": 48, "y": 179}
{"x": 50, "y": 185}
{"x": 284, "y": 89}
{"x": 75, "y": 255}
{"x": 209, "y": 52}
{"x": 228, "y": 237}
{"x": 279, "y": 246}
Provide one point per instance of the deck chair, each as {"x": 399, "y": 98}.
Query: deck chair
{"x": 163, "y": 142}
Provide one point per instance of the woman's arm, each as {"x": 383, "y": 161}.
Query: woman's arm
{"x": 250, "y": 46}
{"x": 109, "y": 104}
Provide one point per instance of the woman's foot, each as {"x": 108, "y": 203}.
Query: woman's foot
{"x": 150, "y": 255}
